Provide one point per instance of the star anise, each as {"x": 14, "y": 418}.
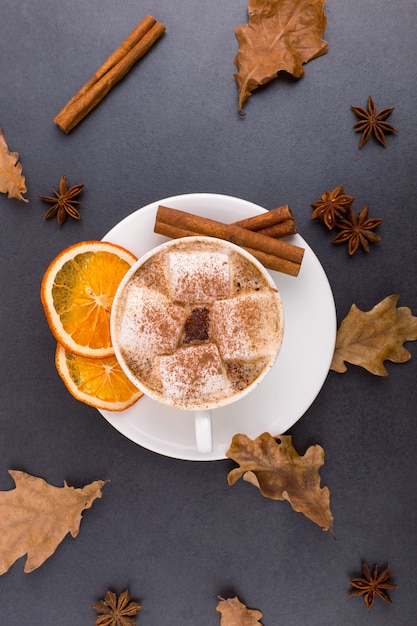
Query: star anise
{"x": 62, "y": 203}
{"x": 332, "y": 206}
{"x": 372, "y": 585}
{"x": 373, "y": 123}
{"x": 357, "y": 230}
{"x": 116, "y": 611}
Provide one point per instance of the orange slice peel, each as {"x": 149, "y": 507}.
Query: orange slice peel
{"x": 99, "y": 382}
{"x": 77, "y": 293}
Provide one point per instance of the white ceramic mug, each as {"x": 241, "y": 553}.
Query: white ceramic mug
{"x": 129, "y": 316}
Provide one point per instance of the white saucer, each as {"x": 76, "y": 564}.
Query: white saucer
{"x": 294, "y": 381}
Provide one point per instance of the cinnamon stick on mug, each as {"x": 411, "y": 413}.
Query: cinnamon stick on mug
{"x": 272, "y": 253}
{"x": 110, "y": 73}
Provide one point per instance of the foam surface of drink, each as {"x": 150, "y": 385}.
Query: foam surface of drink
{"x": 198, "y": 276}
{"x": 197, "y": 323}
{"x": 244, "y": 326}
{"x": 152, "y": 322}
{"x": 194, "y": 371}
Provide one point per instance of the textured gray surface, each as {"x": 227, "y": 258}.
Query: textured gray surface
{"x": 173, "y": 531}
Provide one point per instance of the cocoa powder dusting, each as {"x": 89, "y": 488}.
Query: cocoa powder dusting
{"x": 243, "y": 373}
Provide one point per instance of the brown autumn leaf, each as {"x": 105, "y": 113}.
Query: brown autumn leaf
{"x": 281, "y": 35}
{"x": 35, "y": 517}
{"x": 235, "y": 613}
{"x": 12, "y": 180}
{"x": 369, "y": 338}
{"x": 274, "y": 466}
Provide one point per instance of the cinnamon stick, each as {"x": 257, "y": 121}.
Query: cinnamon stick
{"x": 272, "y": 262}
{"x": 269, "y": 261}
{"x": 264, "y": 220}
{"x": 140, "y": 40}
{"x": 286, "y": 257}
{"x": 277, "y": 231}
{"x": 276, "y": 223}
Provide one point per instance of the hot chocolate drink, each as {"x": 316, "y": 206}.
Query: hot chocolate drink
{"x": 196, "y": 323}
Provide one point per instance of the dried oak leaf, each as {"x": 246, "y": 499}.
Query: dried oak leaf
{"x": 274, "y": 466}
{"x": 280, "y": 35}
{"x": 369, "y": 338}
{"x": 235, "y": 613}
{"x": 36, "y": 516}
{"x": 12, "y": 180}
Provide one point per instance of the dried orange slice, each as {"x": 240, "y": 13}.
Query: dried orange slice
{"x": 99, "y": 382}
{"x": 77, "y": 293}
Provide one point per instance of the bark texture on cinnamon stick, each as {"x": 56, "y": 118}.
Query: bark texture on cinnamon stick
{"x": 277, "y": 223}
{"x": 140, "y": 40}
{"x": 277, "y": 255}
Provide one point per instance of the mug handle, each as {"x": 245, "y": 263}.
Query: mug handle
{"x": 203, "y": 431}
